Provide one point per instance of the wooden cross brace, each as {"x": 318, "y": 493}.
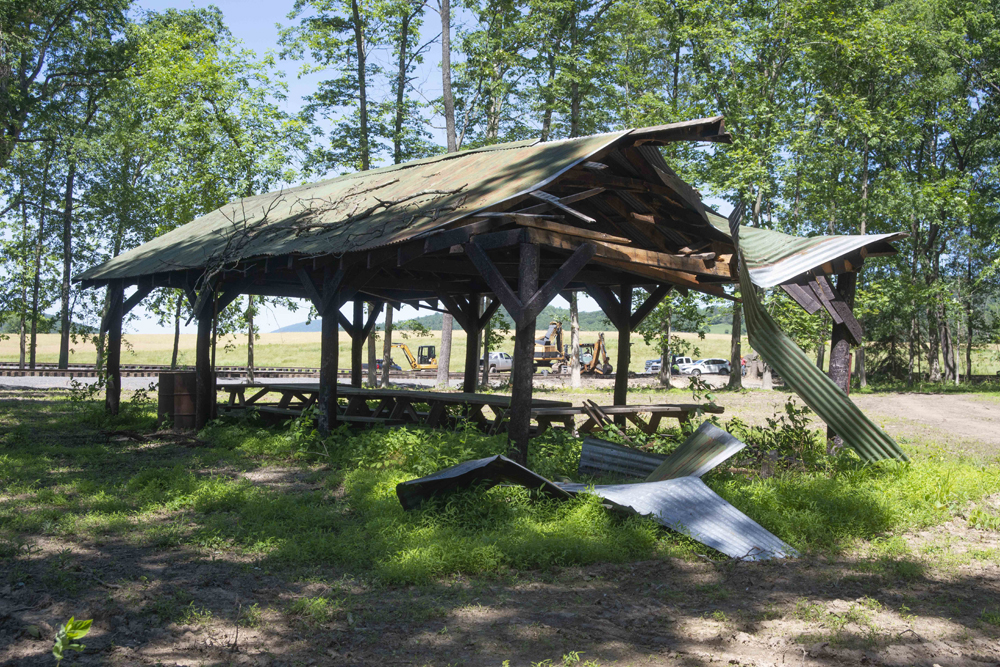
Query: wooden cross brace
{"x": 465, "y": 312}
{"x": 814, "y": 293}
{"x": 611, "y": 305}
{"x": 529, "y": 310}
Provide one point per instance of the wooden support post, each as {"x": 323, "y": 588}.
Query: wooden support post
{"x": 116, "y": 309}
{"x": 328, "y": 363}
{"x": 357, "y": 341}
{"x": 205, "y": 393}
{"x": 473, "y": 333}
{"x": 524, "y": 356}
{"x": 624, "y": 349}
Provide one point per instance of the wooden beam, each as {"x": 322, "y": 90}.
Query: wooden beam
{"x": 473, "y": 336}
{"x": 607, "y": 300}
{"x": 834, "y": 302}
{"x": 638, "y": 255}
{"x": 568, "y": 199}
{"x": 115, "y": 315}
{"x": 555, "y": 284}
{"x": 624, "y": 350}
{"x": 555, "y": 201}
{"x": 569, "y": 230}
{"x": 523, "y": 368}
{"x": 677, "y": 278}
{"x": 495, "y": 280}
{"x": 489, "y": 312}
{"x": 375, "y": 307}
{"x": 651, "y": 302}
{"x": 803, "y": 296}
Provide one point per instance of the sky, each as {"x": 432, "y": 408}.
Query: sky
{"x": 255, "y": 24}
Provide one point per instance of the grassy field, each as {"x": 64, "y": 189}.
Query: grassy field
{"x": 243, "y": 547}
{"x": 302, "y": 349}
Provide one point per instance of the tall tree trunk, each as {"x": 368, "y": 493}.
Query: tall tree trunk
{"x": 487, "y": 333}
{"x": 387, "y": 346}
{"x": 22, "y": 278}
{"x": 177, "y": 331}
{"x": 574, "y": 340}
{"x": 397, "y": 136}
{"x": 968, "y": 341}
{"x": 736, "y": 349}
{"x": 859, "y": 356}
{"x": 934, "y": 346}
{"x": 549, "y": 93}
{"x": 444, "y": 355}
{"x": 446, "y": 94}
{"x": 250, "y": 337}
{"x": 359, "y": 47}
{"x": 372, "y": 352}
{"x": 821, "y": 344}
{"x": 666, "y": 357}
{"x": 67, "y": 237}
{"x": 859, "y": 367}
{"x": 39, "y": 245}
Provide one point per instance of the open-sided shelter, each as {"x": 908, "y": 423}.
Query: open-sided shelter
{"x": 521, "y": 222}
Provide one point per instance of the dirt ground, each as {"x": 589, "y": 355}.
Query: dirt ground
{"x": 927, "y": 609}
{"x": 923, "y": 598}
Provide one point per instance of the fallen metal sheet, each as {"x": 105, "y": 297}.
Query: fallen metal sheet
{"x": 800, "y": 373}
{"x": 705, "y": 449}
{"x": 685, "y": 505}
{"x": 600, "y": 457}
{"x": 489, "y": 471}
{"x": 688, "y": 506}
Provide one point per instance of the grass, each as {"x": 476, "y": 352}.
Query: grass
{"x": 62, "y": 477}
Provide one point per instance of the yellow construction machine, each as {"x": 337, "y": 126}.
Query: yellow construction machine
{"x": 426, "y": 359}
{"x": 552, "y": 355}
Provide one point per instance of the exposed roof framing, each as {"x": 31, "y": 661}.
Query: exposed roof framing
{"x": 402, "y": 230}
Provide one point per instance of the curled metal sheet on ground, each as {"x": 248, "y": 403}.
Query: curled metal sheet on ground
{"x": 800, "y": 373}
{"x": 688, "y": 506}
{"x": 487, "y": 472}
{"x": 600, "y": 457}
{"x": 704, "y": 450}
{"x": 707, "y": 447}
{"x": 685, "y": 505}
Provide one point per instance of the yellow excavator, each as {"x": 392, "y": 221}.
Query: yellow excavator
{"x": 426, "y": 359}
{"x": 551, "y": 355}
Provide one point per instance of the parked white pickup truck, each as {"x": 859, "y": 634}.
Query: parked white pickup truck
{"x": 499, "y": 361}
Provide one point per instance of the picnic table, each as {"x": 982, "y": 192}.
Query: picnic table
{"x": 544, "y": 416}
{"x": 392, "y": 406}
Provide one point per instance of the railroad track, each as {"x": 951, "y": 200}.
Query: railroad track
{"x": 222, "y": 372}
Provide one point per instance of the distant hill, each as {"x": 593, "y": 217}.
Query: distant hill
{"x": 719, "y": 320}
{"x": 589, "y": 321}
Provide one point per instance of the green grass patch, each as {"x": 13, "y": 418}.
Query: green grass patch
{"x": 334, "y": 505}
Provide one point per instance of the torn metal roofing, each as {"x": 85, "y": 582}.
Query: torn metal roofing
{"x": 774, "y": 257}
{"x": 688, "y": 506}
{"x": 685, "y": 504}
{"x": 818, "y": 391}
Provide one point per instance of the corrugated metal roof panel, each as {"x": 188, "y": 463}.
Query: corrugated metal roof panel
{"x": 350, "y": 213}
{"x": 800, "y": 373}
{"x": 688, "y": 506}
{"x": 600, "y": 457}
{"x": 705, "y": 449}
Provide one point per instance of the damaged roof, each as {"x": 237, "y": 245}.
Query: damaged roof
{"x": 614, "y": 191}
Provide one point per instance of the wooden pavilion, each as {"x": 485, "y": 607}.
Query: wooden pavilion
{"x": 520, "y": 222}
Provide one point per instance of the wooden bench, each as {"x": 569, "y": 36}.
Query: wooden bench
{"x": 567, "y": 415}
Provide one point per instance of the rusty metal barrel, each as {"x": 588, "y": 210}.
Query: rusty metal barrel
{"x": 176, "y": 399}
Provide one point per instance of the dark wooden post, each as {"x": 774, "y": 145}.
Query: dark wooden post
{"x": 357, "y": 341}
{"x": 523, "y": 371}
{"x": 624, "y": 349}
{"x": 473, "y": 335}
{"x": 113, "y": 390}
{"x": 329, "y": 360}
{"x": 840, "y": 346}
{"x": 205, "y": 393}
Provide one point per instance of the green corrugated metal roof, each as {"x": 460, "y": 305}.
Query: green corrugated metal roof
{"x": 800, "y": 373}
{"x": 329, "y": 217}
{"x": 775, "y": 257}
